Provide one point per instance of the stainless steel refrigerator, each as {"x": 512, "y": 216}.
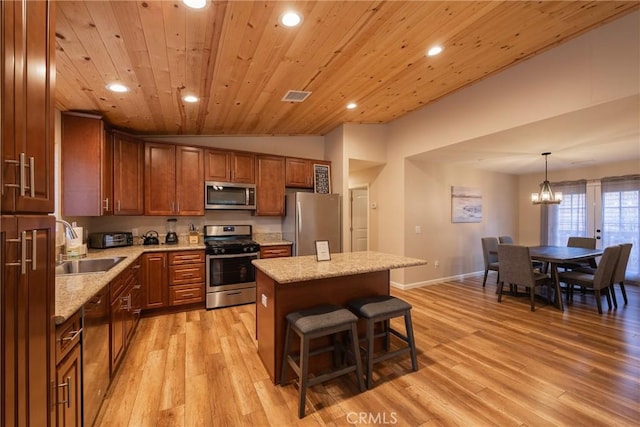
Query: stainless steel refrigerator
{"x": 310, "y": 217}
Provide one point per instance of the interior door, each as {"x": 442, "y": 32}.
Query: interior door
{"x": 359, "y": 219}
{"x": 594, "y": 211}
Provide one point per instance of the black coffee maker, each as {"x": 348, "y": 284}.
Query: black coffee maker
{"x": 172, "y": 236}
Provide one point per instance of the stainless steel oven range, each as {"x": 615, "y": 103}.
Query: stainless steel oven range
{"x": 230, "y": 276}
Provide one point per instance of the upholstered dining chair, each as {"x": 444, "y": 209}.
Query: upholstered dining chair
{"x": 490, "y": 254}
{"x": 581, "y": 242}
{"x": 516, "y": 270}
{"x": 620, "y": 270}
{"x": 600, "y": 281}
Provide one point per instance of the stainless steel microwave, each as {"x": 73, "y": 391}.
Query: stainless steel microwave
{"x": 228, "y": 195}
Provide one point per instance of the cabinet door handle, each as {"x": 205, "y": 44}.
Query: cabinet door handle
{"x": 32, "y": 176}
{"x": 23, "y": 178}
{"x": 118, "y": 205}
{"x": 66, "y": 385}
{"x": 23, "y": 253}
{"x": 34, "y": 249}
{"x": 106, "y": 204}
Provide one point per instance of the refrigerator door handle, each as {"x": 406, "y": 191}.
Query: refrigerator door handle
{"x": 299, "y": 217}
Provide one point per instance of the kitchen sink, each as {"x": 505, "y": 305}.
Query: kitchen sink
{"x": 87, "y": 265}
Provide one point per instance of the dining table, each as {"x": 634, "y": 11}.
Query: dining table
{"x": 557, "y": 255}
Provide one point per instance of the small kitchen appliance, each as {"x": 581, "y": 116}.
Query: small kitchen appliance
{"x": 230, "y": 275}
{"x": 150, "y": 238}
{"x": 110, "y": 239}
{"x": 172, "y": 236}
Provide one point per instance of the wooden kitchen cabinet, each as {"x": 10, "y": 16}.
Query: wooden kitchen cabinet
{"x": 27, "y": 261}
{"x": 86, "y": 165}
{"x": 275, "y": 251}
{"x": 26, "y": 318}
{"x": 299, "y": 172}
{"x": 174, "y": 180}
{"x": 128, "y": 175}
{"x": 125, "y": 312}
{"x": 27, "y": 111}
{"x": 186, "y": 277}
{"x": 229, "y": 166}
{"x": 270, "y": 171}
{"x": 189, "y": 181}
{"x": 155, "y": 289}
{"x": 69, "y": 372}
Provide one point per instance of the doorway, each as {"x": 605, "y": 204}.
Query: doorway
{"x": 359, "y": 201}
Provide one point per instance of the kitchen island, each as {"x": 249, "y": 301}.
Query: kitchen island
{"x": 295, "y": 283}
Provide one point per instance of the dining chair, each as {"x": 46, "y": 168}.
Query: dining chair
{"x": 620, "y": 270}
{"x": 581, "y": 242}
{"x": 490, "y": 254}
{"x": 516, "y": 270}
{"x": 600, "y": 281}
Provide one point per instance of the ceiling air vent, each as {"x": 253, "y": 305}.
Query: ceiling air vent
{"x": 296, "y": 96}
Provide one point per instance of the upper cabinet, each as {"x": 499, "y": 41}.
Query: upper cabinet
{"x": 128, "y": 175}
{"x": 270, "y": 185}
{"x": 174, "y": 180}
{"x": 85, "y": 158}
{"x": 229, "y": 166}
{"x": 27, "y": 111}
{"x": 102, "y": 170}
{"x": 299, "y": 172}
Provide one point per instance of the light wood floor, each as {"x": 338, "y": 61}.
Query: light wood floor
{"x": 480, "y": 364}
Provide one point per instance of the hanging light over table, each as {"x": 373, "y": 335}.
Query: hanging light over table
{"x": 546, "y": 196}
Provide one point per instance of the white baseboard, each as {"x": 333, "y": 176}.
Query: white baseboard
{"x": 408, "y": 286}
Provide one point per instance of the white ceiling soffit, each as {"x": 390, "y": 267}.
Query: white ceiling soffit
{"x": 605, "y": 133}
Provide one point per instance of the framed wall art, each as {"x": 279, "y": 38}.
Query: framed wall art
{"x": 466, "y": 204}
{"x": 321, "y": 179}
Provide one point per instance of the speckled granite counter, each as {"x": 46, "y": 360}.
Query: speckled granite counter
{"x": 285, "y": 285}
{"x": 74, "y": 290}
{"x": 270, "y": 239}
{"x": 298, "y": 269}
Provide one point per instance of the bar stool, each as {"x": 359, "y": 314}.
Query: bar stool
{"x": 381, "y": 309}
{"x": 316, "y": 322}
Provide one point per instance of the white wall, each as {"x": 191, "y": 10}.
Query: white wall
{"x": 581, "y": 73}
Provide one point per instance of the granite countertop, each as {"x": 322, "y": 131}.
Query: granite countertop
{"x": 74, "y": 290}
{"x": 298, "y": 269}
{"x": 270, "y": 239}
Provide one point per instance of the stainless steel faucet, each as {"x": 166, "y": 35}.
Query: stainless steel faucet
{"x": 71, "y": 233}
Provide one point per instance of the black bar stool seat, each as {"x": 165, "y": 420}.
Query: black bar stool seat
{"x": 382, "y": 308}
{"x": 316, "y": 322}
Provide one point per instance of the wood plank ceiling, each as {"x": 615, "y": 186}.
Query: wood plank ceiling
{"x": 240, "y": 61}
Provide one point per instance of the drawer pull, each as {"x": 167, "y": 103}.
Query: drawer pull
{"x": 187, "y": 295}
{"x": 72, "y": 335}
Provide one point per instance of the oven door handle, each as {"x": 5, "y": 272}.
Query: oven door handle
{"x": 243, "y": 255}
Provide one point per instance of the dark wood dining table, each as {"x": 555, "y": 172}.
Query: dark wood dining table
{"x": 556, "y": 255}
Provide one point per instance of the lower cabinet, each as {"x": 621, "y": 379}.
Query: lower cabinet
{"x": 124, "y": 314}
{"x": 186, "y": 277}
{"x": 155, "y": 292}
{"x": 275, "y": 251}
{"x": 69, "y": 373}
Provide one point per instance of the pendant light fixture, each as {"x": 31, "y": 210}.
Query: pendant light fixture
{"x": 546, "y": 196}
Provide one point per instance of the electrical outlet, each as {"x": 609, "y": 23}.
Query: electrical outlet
{"x": 134, "y": 232}
{"x": 418, "y": 229}
{"x": 264, "y": 300}
{"x": 436, "y": 264}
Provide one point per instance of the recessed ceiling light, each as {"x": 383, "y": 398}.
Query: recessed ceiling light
{"x": 190, "y": 98}
{"x": 351, "y": 106}
{"x": 291, "y": 19}
{"x": 435, "y": 50}
{"x": 195, "y": 4}
{"x": 117, "y": 87}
